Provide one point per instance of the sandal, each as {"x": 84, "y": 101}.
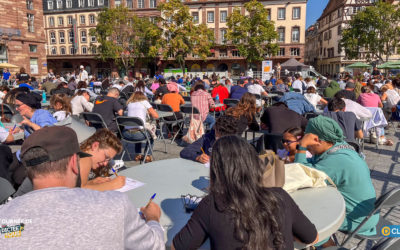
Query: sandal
{"x": 139, "y": 157}
{"x": 389, "y": 142}
{"x": 148, "y": 159}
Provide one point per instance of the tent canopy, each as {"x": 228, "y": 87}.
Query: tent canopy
{"x": 359, "y": 65}
{"x": 7, "y": 65}
{"x": 293, "y": 63}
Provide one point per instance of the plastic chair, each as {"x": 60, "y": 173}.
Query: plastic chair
{"x": 389, "y": 200}
{"x": 124, "y": 121}
{"x": 230, "y": 102}
{"x": 94, "y": 119}
{"x": 6, "y": 190}
{"x": 176, "y": 121}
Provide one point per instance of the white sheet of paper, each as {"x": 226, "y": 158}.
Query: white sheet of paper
{"x": 129, "y": 185}
{"x": 207, "y": 165}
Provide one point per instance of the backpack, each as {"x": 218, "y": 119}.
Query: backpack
{"x": 396, "y": 113}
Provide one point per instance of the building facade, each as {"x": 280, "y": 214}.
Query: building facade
{"x": 68, "y": 45}
{"x": 22, "y": 41}
{"x": 323, "y": 49}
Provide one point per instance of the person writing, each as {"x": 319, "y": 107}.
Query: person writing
{"x": 230, "y": 214}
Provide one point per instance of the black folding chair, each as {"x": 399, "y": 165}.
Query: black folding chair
{"x": 128, "y": 121}
{"x": 187, "y": 111}
{"x": 187, "y": 98}
{"x": 174, "y": 121}
{"x": 273, "y": 141}
{"x": 7, "y": 110}
{"x": 94, "y": 119}
{"x": 355, "y": 145}
{"x": 230, "y": 102}
{"x": 390, "y": 200}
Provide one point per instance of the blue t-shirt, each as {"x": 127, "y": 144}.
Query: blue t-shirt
{"x": 6, "y": 75}
{"x": 26, "y": 85}
{"x": 237, "y": 92}
{"x": 42, "y": 118}
{"x": 273, "y": 81}
{"x": 180, "y": 81}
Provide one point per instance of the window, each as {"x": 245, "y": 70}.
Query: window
{"x": 72, "y": 50}
{"x": 82, "y": 18}
{"x": 129, "y": 4}
{"x": 281, "y": 13}
{"x": 93, "y": 39}
{"x": 84, "y": 50}
{"x": 32, "y": 48}
{"x": 269, "y": 14}
{"x": 29, "y": 4}
{"x": 210, "y": 16}
{"x": 53, "y": 50}
{"x": 51, "y": 21}
{"x": 223, "y": 53}
{"x": 117, "y": 3}
{"x": 223, "y": 14}
{"x": 140, "y": 4}
{"x": 31, "y": 19}
{"x": 34, "y": 65}
{"x": 69, "y": 20}
{"x": 339, "y": 12}
{"x": 59, "y": 4}
{"x": 223, "y": 35}
{"x": 92, "y": 19}
{"x": 52, "y": 37}
{"x": 153, "y": 3}
{"x": 81, "y": 3}
{"x": 281, "y": 35}
{"x": 62, "y": 36}
{"x": 69, "y": 4}
{"x": 71, "y": 36}
{"x": 94, "y": 50}
{"x": 60, "y": 21}
{"x": 100, "y": 2}
{"x": 62, "y": 51}
{"x": 195, "y": 16}
{"x": 83, "y": 36}
{"x": 235, "y": 53}
{"x": 50, "y": 4}
{"x": 153, "y": 19}
{"x": 295, "y": 34}
{"x": 90, "y": 3}
{"x": 281, "y": 52}
{"x": 296, "y": 13}
{"x": 294, "y": 51}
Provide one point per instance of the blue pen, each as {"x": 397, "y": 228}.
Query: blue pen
{"x": 115, "y": 172}
{"x": 15, "y": 125}
{"x": 151, "y": 199}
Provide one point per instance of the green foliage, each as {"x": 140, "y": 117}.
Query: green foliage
{"x": 125, "y": 37}
{"x": 253, "y": 34}
{"x": 182, "y": 36}
{"x": 374, "y": 31}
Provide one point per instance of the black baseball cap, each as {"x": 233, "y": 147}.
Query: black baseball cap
{"x": 58, "y": 141}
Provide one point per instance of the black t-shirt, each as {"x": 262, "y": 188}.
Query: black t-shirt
{"x": 208, "y": 221}
{"x": 348, "y": 94}
{"x": 347, "y": 121}
{"x": 376, "y": 73}
{"x": 23, "y": 77}
{"x": 107, "y": 107}
{"x": 280, "y": 118}
{"x": 162, "y": 90}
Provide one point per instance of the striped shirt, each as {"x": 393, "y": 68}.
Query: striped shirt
{"x": 203, "y": 102}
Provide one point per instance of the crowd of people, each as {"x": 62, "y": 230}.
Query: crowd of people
{"x": 53, "y": 171}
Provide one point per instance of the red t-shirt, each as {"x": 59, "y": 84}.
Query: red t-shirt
{"x": 223, "y": 93}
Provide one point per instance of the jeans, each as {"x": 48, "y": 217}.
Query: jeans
{"x": 138, "y": 136}
{"x": 210, "y": 120}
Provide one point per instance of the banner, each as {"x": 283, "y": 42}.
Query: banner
{"x": 267, "y": 70}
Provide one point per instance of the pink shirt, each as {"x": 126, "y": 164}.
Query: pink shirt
{"x": 202, "y": 101}
{"x": 155, "y": 86}
{"x": 369, "y": 100}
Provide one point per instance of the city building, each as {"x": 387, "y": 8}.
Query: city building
{"x": 323, "y": 49}
{"x": 22, "y": 41}
{"x": 68, "y": 24}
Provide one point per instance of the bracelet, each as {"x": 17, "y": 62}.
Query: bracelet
{"x": 298, "y": 147}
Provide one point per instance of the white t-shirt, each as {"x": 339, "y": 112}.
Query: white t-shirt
{"x": 256, "y": 89}
{"x": 298, "y": 85}
{"x": 2, "y": 95}
{"x": 60, "y": 115}
{"x": 392, "y": 97}
{"x": 3, "y": 134}
{"x": 313, "y": 98}
{"x": 79, "y": 104}
{"x": 138, "y": 109}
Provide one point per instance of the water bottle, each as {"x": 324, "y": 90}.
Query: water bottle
{"x": 217, "y": 99}
{"x": 44, "y": 97}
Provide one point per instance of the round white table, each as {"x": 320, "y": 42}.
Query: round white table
{"x": 172, "y": 178}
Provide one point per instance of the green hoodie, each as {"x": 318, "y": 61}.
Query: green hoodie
{"x": 332, "y": 89}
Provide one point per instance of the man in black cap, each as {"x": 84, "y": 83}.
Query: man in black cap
{"x": 56, "y": 214}
{"x": 348, "y": 92}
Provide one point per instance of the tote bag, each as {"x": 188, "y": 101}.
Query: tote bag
{"x": 195, "y": 131}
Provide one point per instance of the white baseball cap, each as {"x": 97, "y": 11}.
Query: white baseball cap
{"x": 81, "y": 67}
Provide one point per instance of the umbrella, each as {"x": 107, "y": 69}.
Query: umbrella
{"x": 390, "y": 65}
{"x": 358, "y": 65}
{"x": 7, "y": 65}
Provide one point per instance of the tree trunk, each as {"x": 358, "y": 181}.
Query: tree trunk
{"x": 183, "y": 67}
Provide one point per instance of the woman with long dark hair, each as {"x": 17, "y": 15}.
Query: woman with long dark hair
{"x": 238, "y": 212}
{"x": 245, "y": 111}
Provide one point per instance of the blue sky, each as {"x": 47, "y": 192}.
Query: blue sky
{"x": 314, "y": 10}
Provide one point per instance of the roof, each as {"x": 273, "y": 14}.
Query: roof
{"x": 331, "y": 6}
{"x": 292, "y": 63}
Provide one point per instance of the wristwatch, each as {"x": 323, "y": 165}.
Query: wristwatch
{"x": 298, "y": 147}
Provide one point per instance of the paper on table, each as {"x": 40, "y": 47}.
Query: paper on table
{"x": 129, "y": 185}
{"x": 207, "y": 165}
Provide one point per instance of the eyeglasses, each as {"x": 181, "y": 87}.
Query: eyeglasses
{"x": 288, "y": 142}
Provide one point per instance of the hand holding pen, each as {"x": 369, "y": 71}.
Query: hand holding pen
{"x": 151, "y": 211}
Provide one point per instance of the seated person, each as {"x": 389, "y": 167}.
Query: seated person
{"x": 352, "y": 106}
{"x": 109, "y": 107}
{"x": 297, "y": 102}
{"x": 350, "y": 173}
{"x": 175, "y": 100}
{"x": 61, "y": 104}
{"x": 278, "y": 118}
{"x": 245, "y": 111}
{"x": 200, "y": 150}
{"x": 313, "y": 97}
{"x": 291, "y": 138}
{"x": 238, "y": 90}
{"x": 230, "y": 214}
{"x": 53, "y": 167}
{"x": 348, "y": 92}
{"x": 203, "y": 101}
{"x": 347, "y": 121}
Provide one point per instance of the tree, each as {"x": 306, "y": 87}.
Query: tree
{"x": 253, "y": 34}
{"x": 182, "y": 36}
{"x": 124, "y": 37}
{"x": 374, "y": 31}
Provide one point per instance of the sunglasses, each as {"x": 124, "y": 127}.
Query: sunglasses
{"x": 288, "y": 142}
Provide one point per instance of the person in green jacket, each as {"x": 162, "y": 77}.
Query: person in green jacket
{"x": 332, "y": 89}
{"x": 350, "y": 173}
